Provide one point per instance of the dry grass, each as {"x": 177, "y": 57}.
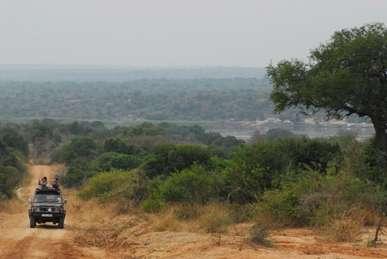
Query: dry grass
{"x": 368, "y": 217}
{"x": 259, "y": 235}
{"x": 166, "y": 221}
{"x": 215, "y": 218}
{"x": 111, "y": 233}
{"x": 101, "y": 236}
{"x": 343, "y": 230}
{"x": 103, "y": 226}
{"x": 12, "y": 206}
{"x": 348, "y": 227}
{"x": 187, "y": 212}
{"x": 212, "y": 218}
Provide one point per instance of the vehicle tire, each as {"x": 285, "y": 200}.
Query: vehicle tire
{"x": 32, "y": 222}
{"x": 61, "y": 223}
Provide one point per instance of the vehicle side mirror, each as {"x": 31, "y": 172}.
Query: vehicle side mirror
{"x": 65, "y": 201}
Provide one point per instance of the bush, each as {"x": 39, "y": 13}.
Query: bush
{"x": 371, "y": 164}
{"x": 78, "y": 148}
{"x": 284, "y": 208}
{"x": 111, "y": 161}
{"x": 242, "y": 213}
{"x": 343, "y": 230}
{"x": 259, "y": 235}
{"x": 260, "y": 167}
{"x": 10, "y": 177}
{"x": 314, "y": 200}
{"x": 116, "y": 185}
{"x": 153, "y": 204}
{"x": 215, "y": 219}
{"x": 172, "y": 158}
{"x": 12, "y": 169}
{"x": 78, "y": 172}
{"x": 13, "y": 139}
{"x": 116, "y": 145}
{"x": 194, "y": 185}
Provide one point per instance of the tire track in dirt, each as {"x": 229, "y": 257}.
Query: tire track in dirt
{"x": 19, "y": 248}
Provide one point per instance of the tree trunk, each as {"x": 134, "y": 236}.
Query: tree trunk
{"x": 378, "y": 229}
{"x": 381, "y": 136}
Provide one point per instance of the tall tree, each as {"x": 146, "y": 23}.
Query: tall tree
{"x": 346, "y": 75}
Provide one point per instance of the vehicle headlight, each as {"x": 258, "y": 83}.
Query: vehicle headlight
{"x": 35, "y": 209}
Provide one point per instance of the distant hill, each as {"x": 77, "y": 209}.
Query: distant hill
{"x": 120, "y": 74}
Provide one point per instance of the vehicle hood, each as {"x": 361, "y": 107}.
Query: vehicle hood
{"x": 47, "y": 204}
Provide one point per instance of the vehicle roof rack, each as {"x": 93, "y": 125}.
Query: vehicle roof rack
{"x": 47, "y": 190}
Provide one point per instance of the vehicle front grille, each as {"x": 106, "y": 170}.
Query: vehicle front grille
{"x": 47, "y": 209}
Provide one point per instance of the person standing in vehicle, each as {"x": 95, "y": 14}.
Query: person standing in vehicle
{"x": 43, "y": 181}
{"x": 55, "y": 183}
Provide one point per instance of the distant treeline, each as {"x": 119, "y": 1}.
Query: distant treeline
{"x": 187, "y": 99}
{"x": 57, "y": 73}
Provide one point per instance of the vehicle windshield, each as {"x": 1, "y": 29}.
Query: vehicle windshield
{"x": 47, "y": 198}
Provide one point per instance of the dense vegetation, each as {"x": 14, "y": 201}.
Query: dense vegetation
{"x": 282, "y": 181}
{"x": 276, "y": 180}
{"x": 13, "y": 155}
{"x": 287, "y": 180}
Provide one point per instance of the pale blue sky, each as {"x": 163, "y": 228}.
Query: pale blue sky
{"x": 173, "y": 32}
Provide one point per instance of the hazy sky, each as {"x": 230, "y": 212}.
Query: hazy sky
{"x": 173, "y": 32}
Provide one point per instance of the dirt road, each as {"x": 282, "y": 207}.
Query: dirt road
{"x": 17, "y": 240}
{"x": 95, "y": 232}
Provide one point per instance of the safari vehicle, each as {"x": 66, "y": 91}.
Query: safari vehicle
{"x": 47, "y": 205}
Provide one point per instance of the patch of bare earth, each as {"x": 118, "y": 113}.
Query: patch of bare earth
{"x": 97, "y": 231}
{"x": 136, "y": 236}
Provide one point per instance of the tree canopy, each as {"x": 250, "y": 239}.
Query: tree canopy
{"x": 346, "y": 75}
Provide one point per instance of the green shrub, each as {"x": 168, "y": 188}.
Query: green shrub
{"x": 10, "y": 177}
{"x": 193, "y": 185}
{"x": 115, "y": 185}
{"x": 78, "y": 171}
{"x": 111, "y": 161}
{"x": 171, "y": 158}
{"x": 314, "y": 200}
{"x": 371, "y": 164}
{"x": 260, "y": 167}
{"x": 12, "y": 138}
{"x": 78, "y": 148}
{"x": 284, "y": 207}
{"x": 116, "y": 145}
{"x": 12, "y": 169}
{"x": 153, "y": 204}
